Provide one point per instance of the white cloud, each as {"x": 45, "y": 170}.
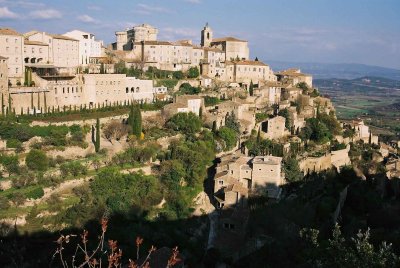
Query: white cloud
{"x": 22, "y": 3}
{"x": 148, "y": 9}
{"x": 87, "y": 19}
{"x": 46, "y": 14}
{"x": 5, "y": 13}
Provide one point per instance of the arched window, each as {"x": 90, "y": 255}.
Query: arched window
{"x": 63, "y": 90}
{"x": 67, "y": 89}
{"x": 132, "y": 89}
{"x": 137, "y": 89}
{"x": 127, "y": 89}
{"x": 72, "y": 89}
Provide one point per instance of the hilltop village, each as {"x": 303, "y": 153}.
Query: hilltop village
{"x": 168, "y": 130}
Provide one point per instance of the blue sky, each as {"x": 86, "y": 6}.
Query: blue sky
{"x": 336, "y": 31}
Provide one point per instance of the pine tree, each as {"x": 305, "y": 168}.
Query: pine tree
{"x": 251, "y": 88}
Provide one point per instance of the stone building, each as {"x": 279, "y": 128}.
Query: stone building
{"x": 11, "y": 47}
{"x": 139, "y": 33}
{"x": 63, "y": 51}
{"x": 246, "y": 71}
{"x": 334, "y": 159}
{"x": 88, "y": 45}
{"x": 241, "y": 110}
{"x": 237, "y": 175}
{"x": 184, "y": 104}
{"x": 35, "y": 53}
{"x": 294, "y": 77}
{"x": 3, "y": 83}
{"x": 274, "y": 128}
{"x": 85, "y": 90}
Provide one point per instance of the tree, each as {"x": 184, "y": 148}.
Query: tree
{"x": 251, "y": 88}
{"x": 187, "y": 88}
{"x": 188, "y": 123}
{"x": 285, "y": 113}
{"x": 214, "y": 127}
{"x": 37, "y": 160}
{"x": 231, "y": 122}
{"x": 135, "y": 120}
{"x": 229, "y": 136}
{"x": 10, "y": 163}
{"x": 193, "y": 72}
{"x": 178, "y": 75}
{"x": 292, "y": 170}
{"x": 97, "y": 139}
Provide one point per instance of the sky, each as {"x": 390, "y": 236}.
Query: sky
{"x": 328, "y": 31}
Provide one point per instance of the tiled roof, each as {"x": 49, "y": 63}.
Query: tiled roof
{"x": 9, "y": 31}
{"x": 62, "y": 37}
{"x": 228, "y": 38}
{"x": 246, "y": 62}
{"x": 28, "y": 42}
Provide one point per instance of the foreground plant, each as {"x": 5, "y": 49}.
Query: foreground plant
{"x": 102, "y": 255}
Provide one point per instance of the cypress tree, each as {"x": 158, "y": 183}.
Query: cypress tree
{"x": 97, "y": 140}
{"x": 2, "y": 104}
{"x": 214, "y": 127}
{"x": 201, "y": 112}
{"x": 135, "y": 119}
{"x": 259, "y": 135}
{"x": 251, "y": 88}
{"x": 9, "y": 102}
{"x": 45, "y": 101}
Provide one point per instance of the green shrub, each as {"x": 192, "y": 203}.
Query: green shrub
{"x": 35, "y": 193}
{"x": 37, "y": 160}
{"x": 13, "y": 143}
{"x": 188, "y": 123}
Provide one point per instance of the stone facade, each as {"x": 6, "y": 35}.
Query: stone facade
{"x": 63, "y": 51}
{"x": 88, "y": 45}
{"x": 336, "y": 159}
{"x": 237, "y": 175}
{"x": 3, "y": 83}
{"x": 87, "y": 90}
{"x": 184, "y": 104}
{"x": 11, "y": 47}
{"x": 274, "y": 128}
{"x": 294, "y": 77}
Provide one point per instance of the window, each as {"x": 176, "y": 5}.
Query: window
{"x": 63, "y": 90}
{"x": 132, "y": 89}
{"x": 127, "y": 89}
{"x": 221, "y": 182}
{"x": 137, "y": 90}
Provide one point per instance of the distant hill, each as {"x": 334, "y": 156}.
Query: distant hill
{"x": 366, "y": 83}
{"x": 340, "y": 70}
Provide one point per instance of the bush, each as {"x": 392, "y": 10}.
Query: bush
{"x": 188, "y": 123}
{"x": 178, "y": 75}
{"x": 169, "y": 83}
{"x": 73, "y": 168}
{"x": 14, "y": 143}
{"x": 186, "y": 88}
{"x": 211, "y": 101}
{"x": 35, "y": 193}
{"x": 193, "y": 72}
{"x": 37, "y": 160}
{"x": 229, "y": 136}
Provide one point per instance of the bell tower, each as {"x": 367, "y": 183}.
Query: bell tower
{"x": 206, "y": 36}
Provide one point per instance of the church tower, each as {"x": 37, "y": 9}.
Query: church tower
{"x": 206, "y": 36}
